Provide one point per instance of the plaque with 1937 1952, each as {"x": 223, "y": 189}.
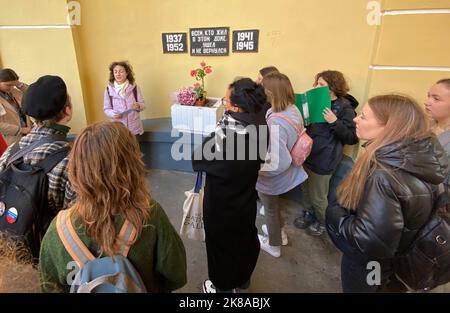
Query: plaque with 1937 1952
{"x": 174, "y": 42}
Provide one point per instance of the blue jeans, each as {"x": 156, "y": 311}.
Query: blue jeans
{"x": 354, "y": 270}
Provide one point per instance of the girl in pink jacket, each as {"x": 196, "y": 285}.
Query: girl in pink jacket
{"x": 123, "y": 100}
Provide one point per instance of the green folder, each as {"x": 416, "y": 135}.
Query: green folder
{"x": 312, "y": 104}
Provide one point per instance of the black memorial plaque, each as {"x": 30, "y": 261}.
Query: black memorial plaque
{"x": 174, "y": 42}
{"x": 245, "y": 40}
{"x": 214, "y": 41}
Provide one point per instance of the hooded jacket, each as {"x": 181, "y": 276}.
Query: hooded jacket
{"x": 114, "y": 104}
{"x": 329, "y": 139}
{"x": 397, "y": 200}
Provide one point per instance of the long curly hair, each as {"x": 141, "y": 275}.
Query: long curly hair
{"x": 336, "y": 81}
{"x": 107, "y": 173}
{"x": 128, "y": 68}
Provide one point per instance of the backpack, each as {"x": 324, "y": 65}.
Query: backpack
{"x": 113, "y": 274}
{"x": 302, "y": 147}
{"x": 426, "y": 263}
{"x": 24, "y": 211}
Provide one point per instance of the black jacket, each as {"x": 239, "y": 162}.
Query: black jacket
{"x": 329, "y": 139}
{"x": 397, "y": 200}
{"x": 229, "y": 204}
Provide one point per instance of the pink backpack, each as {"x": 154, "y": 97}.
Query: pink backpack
{"x": 302, "y": 147}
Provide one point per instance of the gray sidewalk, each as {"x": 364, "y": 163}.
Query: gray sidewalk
{"x": 307, "y": 264}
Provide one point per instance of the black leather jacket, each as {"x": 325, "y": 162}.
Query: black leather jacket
{"x": 397, "y": 200}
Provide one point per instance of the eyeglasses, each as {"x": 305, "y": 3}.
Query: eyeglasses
{"x": 225, "y": 101}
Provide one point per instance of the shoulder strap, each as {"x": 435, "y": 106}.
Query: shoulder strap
{"x": 71, "y": 241}
{"x": 78, "y": 250}
{"x": 14, "y": 149}
{"x": 17, "y": 153}
{"x": 286, "y": 119}
{"x": 109, "y": 95}
{"x": 135, "y": 93}
{"x": 199, "y": 182}
{"x": 126, "y": 236}
{"x": 442, "y": 200}
{"x": 53, "y": 159}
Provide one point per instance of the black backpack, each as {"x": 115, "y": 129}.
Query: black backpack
{"x": 24, "y": 211}
{"x": 426, "y": 263}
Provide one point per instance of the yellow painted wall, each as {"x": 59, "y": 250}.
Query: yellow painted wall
{"x": 411, "y": 40}
{"x": 32, "y": 12}
{"x": 415, "y": 4}
{"x": 300, "y": 37}
{"x": 415, "y": 40}
{"x": 36, "y": 52}
{"x": 415, "y": 84}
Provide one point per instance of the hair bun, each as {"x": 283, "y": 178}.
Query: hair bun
{"x": 249, "y": 89}
{"x": 245, "y": 85}
{"x": 248, "y": 95}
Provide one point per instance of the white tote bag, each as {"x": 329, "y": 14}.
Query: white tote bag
{"x": 192, "y": 224}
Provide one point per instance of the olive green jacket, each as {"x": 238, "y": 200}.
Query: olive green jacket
{"x": 158, "y": 255}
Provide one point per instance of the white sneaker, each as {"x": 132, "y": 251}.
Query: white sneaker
{"x": 274, "y": 251}
{"x": 262, "y": 210}
{"x": 284, "y": 238}
{"x": 208, "y": 287}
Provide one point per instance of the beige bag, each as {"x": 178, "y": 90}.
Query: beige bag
{"x": 192, "y": 224}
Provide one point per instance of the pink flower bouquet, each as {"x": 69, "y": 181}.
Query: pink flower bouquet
{"x": 186, "y": 96}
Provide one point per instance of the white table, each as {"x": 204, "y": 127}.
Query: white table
{"x": 197, "y": 120}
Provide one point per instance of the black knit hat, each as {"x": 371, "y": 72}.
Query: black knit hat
{"x": 45, "y": 98}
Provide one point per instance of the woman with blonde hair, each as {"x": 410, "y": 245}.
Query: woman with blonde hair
{"x": 279, "y": 175}
{"x": 107, "y": 172}
{"x": 388, "y": 196}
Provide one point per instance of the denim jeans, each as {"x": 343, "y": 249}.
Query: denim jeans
{"x": 354, "y": 272}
